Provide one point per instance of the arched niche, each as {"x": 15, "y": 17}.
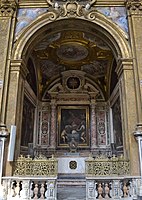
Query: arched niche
{"x": 51, "y": 23}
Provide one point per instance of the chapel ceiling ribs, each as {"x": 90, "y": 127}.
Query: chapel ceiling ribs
{"x": 73, "y": 50}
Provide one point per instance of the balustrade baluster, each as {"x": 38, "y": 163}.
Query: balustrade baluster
{"x": 42, "y": 190}
{"x": 100, "y": 191}
{"x": 107, "y": 191}
{"x": 36, "y": 191}
{"x": 17, "y": 189}
{"x": 125, "y": 190}
{"x": 12, "y": 192}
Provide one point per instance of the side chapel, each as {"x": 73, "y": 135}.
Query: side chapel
{"x": 70, "y": 99}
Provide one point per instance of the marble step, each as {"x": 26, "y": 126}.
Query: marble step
{"x": 71, "y": 192}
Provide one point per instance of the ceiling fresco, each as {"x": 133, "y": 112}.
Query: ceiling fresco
{"x": 72, "y": 50}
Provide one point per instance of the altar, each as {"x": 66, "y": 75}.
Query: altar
{"x": 71, "y": 165}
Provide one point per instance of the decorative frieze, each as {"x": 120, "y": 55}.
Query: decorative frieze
{"x": 7, "y": 8}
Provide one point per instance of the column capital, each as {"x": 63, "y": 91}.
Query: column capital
{"x": 124, "y": 64}
{"x": 19, "y": 66}
{"x": 7, "y": 8}
{"x": 134, "y": 6}
{"x": 93, "y": 103}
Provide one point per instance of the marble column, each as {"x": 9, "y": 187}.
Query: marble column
{"x": 93, "y": 126}
{"x": 53, "y": 125}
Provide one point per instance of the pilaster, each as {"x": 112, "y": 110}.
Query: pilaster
{"x": 18, "y": 72}
{"x": 53, "y": 125}
{"x": 134, "y": 10}
{"x": 129, "y": 112}
{"x": 7, "y": 23}
{"x": 93, "y": 125}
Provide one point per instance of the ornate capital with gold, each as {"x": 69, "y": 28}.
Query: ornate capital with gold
{"x": 7, "y": 8}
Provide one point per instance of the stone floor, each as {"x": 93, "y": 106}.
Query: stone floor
{"x": 71, "y": 192}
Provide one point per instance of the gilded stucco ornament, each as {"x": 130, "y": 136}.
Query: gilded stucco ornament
{"x": 7, "y": 7}
{"x": 69, "y": 9}
{"x": 134, "y": 5}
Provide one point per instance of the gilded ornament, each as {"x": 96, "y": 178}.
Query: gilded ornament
{"x": 40, "y": 166}
{"x": 102, "y": 166}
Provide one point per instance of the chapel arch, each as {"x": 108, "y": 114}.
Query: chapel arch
{"x": 114, "y": 38}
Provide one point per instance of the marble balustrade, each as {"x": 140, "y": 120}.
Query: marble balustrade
{"x": 28, "y": 188}
{"x": 46, "y": 188}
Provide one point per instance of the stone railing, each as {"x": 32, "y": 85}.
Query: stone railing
{"x": 125, "y": 188}
{"x": 113, "y": 188}
{"x": 28, "y": 188}
{"x": 103, "y": 166}
{"x": 39, "y": 166}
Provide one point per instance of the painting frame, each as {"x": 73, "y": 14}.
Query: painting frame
{"x": 73, "y": 123}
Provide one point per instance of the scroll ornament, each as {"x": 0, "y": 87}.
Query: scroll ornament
{"x": 70, "y": 9}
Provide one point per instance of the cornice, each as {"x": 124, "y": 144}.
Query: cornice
{"x": 7, "y": 8}
{"x": 42, "y": 3}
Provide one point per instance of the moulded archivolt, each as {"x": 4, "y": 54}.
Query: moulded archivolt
{"x": 116, "y": 36}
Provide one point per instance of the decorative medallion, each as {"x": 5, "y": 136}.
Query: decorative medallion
{"x": 73, "y": 164}
{"x": 73, "y": 83}
{"x": 72, "y": 52}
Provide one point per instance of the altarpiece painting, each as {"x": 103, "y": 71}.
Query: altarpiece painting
{"x": 73, "y": 125}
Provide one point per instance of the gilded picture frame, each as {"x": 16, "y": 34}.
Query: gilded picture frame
{"x": 73, "y": 124}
